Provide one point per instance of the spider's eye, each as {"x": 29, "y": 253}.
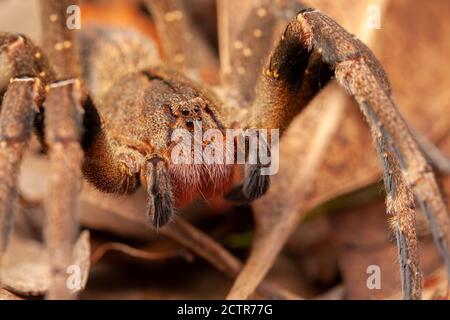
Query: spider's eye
{"x": 185, "y": 112}
{"x": 190, "y": 123}
{"x": 197, "y": 108}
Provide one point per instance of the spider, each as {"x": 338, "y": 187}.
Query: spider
{"x": 104, "y": 107}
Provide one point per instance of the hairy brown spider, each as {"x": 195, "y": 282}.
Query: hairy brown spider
{"x": 117, "y": 104}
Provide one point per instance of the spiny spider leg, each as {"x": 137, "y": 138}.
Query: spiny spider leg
{"x": 121, "y": 155}
{"x": 63, "y": 129}
{"x": 179, "y": 36}
{"x": 357, "y": 70}
{"x": 279, "y": 98}
{"x": 361, "y": 74}
{"x": 24, "y": 71}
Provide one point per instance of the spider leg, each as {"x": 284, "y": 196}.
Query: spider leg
{"x": 243, "y": 38}
{"x": 357, "y": 70}
{"x": 63, "y": 128}
{"x": 23, "y": 72}
{"x": 246, "y": 30}
{"x": 119, "y": 169}
{"x": 255, "y": 184}
{"x": 180, "y": 37}
{"x": 111, "y": 168}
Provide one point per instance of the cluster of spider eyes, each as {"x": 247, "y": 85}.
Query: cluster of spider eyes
{"x": 185, "y": 112}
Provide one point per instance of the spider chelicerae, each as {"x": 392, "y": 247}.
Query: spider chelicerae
{"x": 104, "y": 107}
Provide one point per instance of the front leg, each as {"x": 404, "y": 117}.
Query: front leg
{"x": 114, "y": 166}
{"x": 256, "y": 180}
{"x": 288, "y": 85}
{"x": 291, "y": 78}
{"x": 361, "y": 74}
{"x": 108, "y": 165}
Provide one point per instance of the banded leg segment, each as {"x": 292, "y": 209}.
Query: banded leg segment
{"x": 246, "y": 29}
{"x": 293, "y": 75}
{"x": 19, "y": 59}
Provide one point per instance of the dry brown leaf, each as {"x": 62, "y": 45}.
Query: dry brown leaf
{"x": 26, "y": 268}
{"x": 436, "y": 286}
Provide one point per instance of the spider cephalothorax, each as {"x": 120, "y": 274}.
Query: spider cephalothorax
{"x": 118, "y": 100}
{"x": 157, "y": 103}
